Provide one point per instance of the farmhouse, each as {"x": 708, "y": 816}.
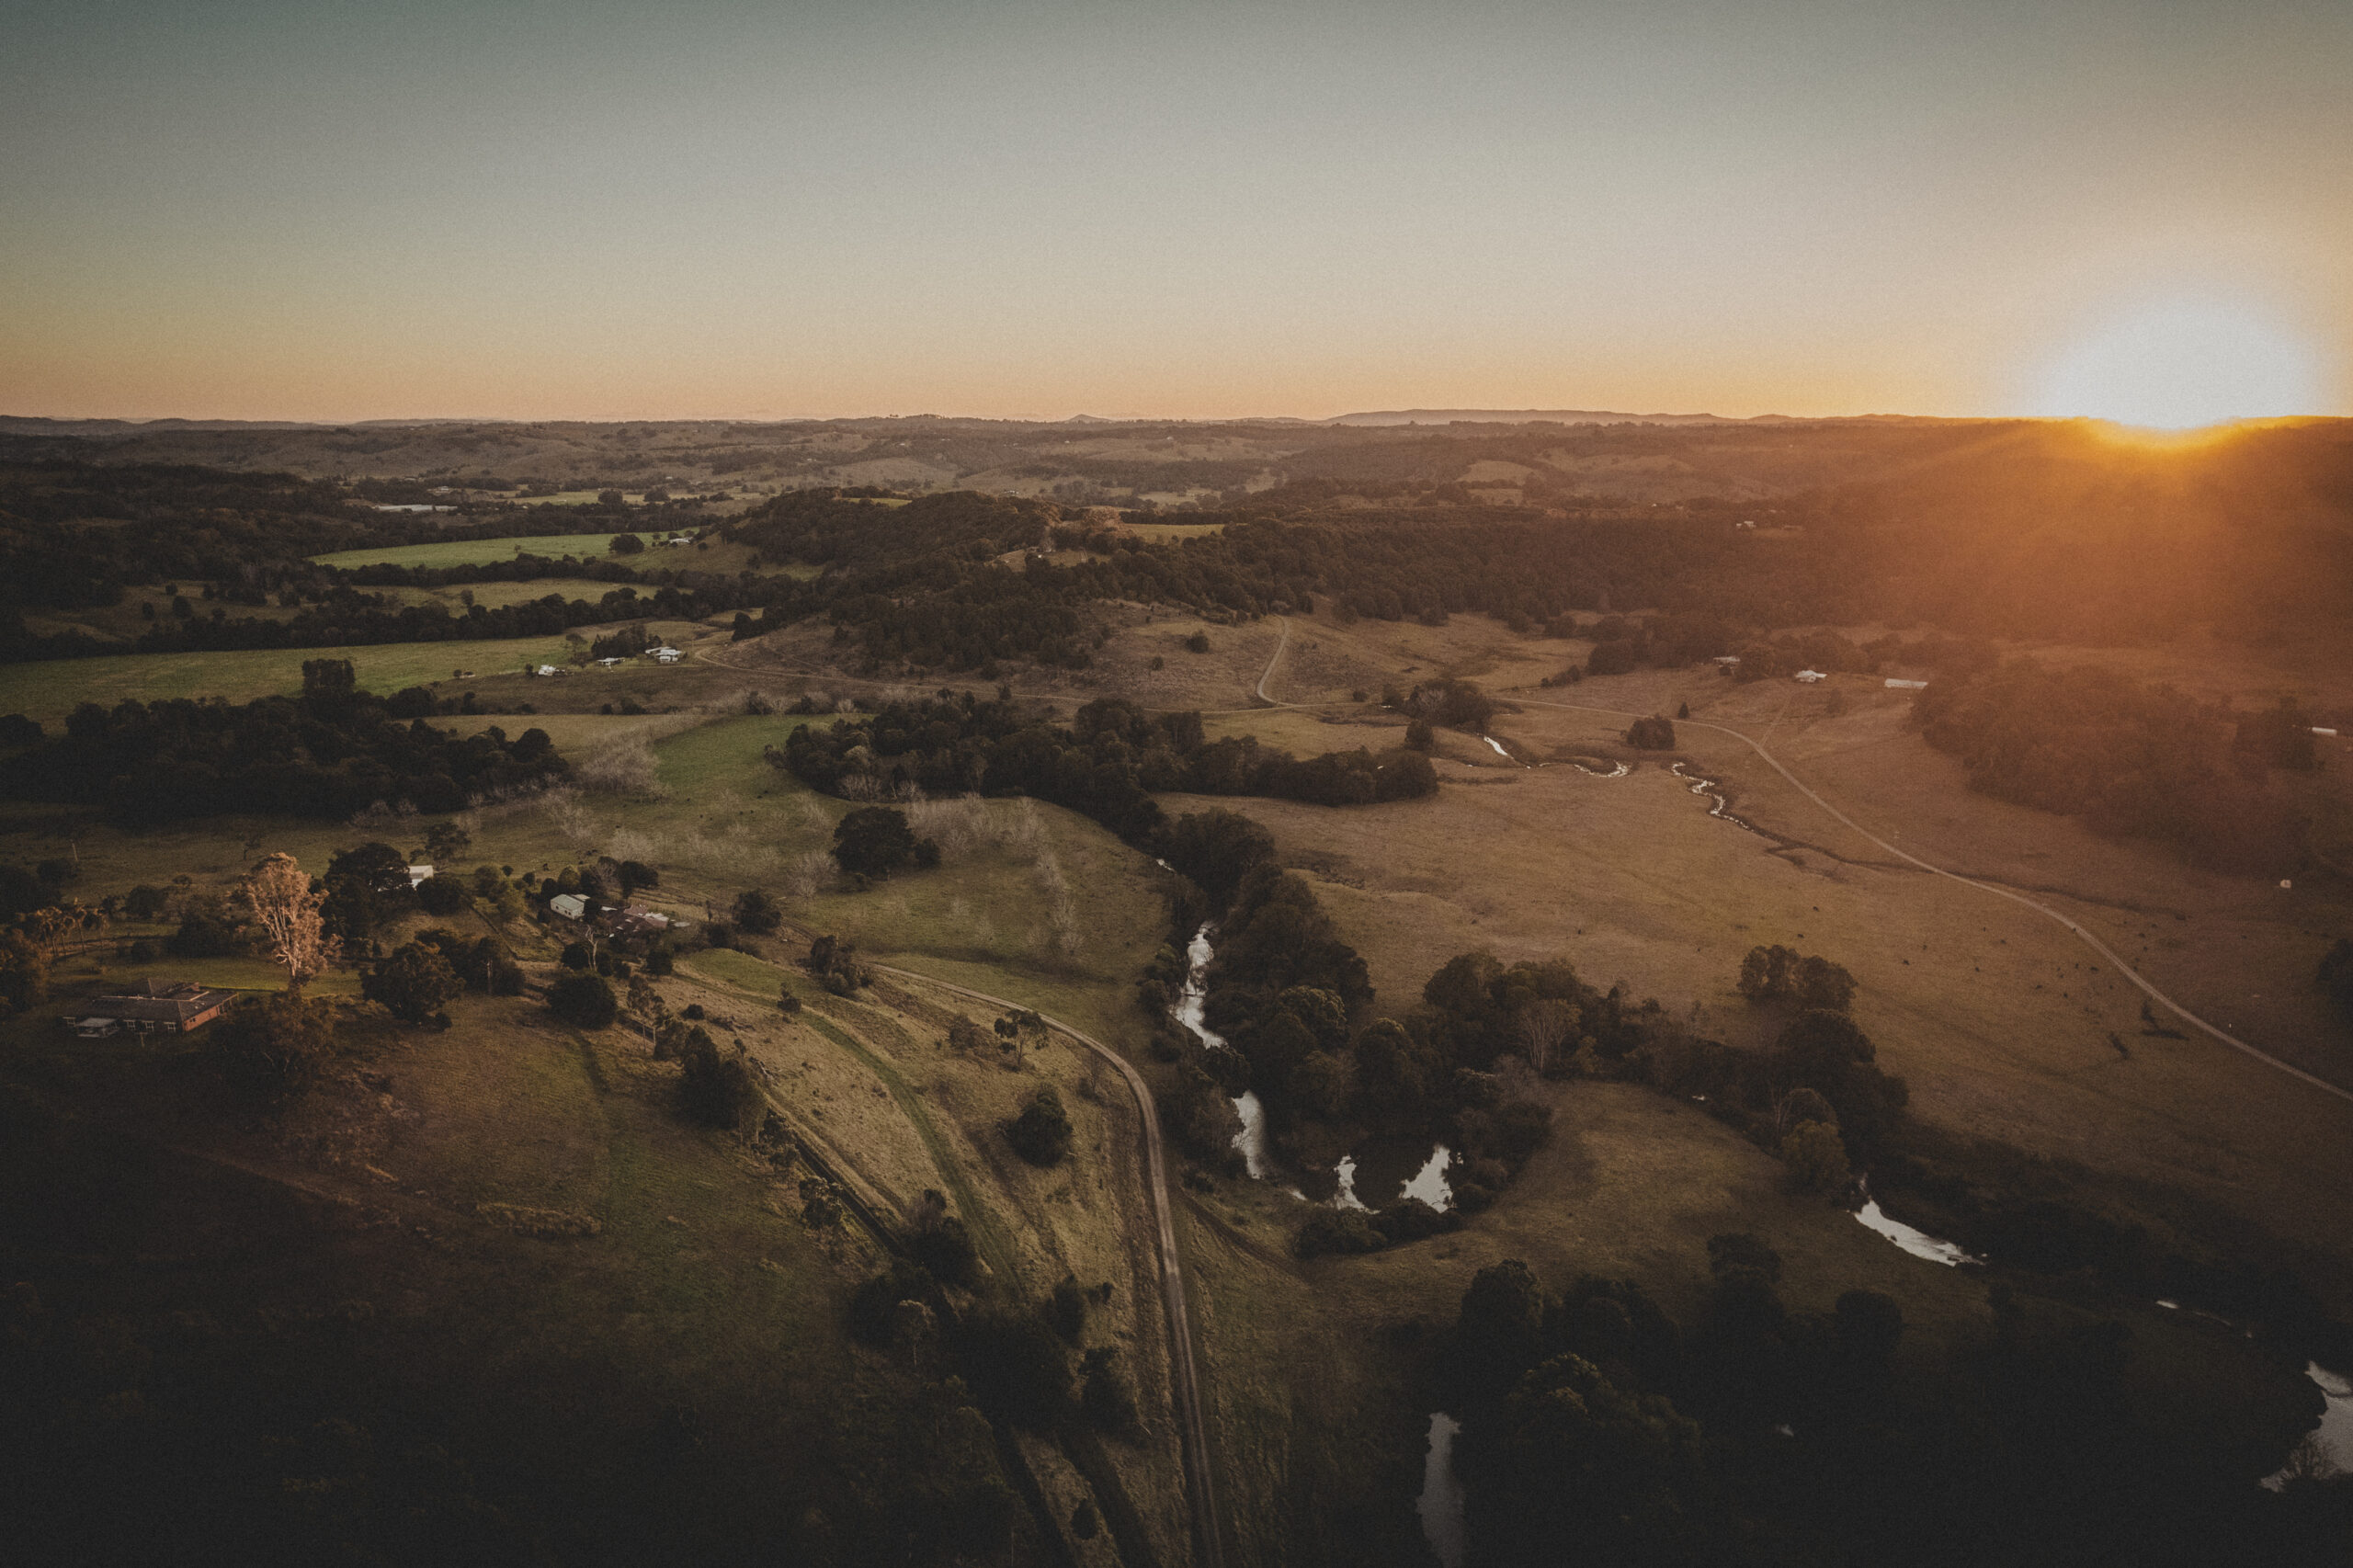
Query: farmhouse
{"x": 571, "y": 906}
{"x": 637, "y": 922}
{"x": 158, "y": 1006}
{"x": 418, "y": 876}
{"x": 666, "y": 655}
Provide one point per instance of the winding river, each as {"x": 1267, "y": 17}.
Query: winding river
{"x": 1252, "y": 1138}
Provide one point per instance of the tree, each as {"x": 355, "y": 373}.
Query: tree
{"x": 634, "y": 874}
{"x": 584, "y": 1001}
{"x": 363, "y": 887}
{"x": 627, "y": 544}
{"x": 1820, "y": 983}
{"x": 277, "y": 1046}
{"x": 717, "y": 1090}
{"x": 1816, "y": 1158}
{"x": 443, "y": 895}
{"x": 1500, "y": 1331}
{"x": 287, "y": 907}
{"x": 1041, "y": 1134}
{"x": 445, "y": 841}
{"x": 1109, "y": 1400}
{"x": 413, "y": 984}
{"x": 1543, "y": 1026}
{"x": 1653, "y": 733}
{"x": 873, "y": 841}
{"x": 756, "y": 912}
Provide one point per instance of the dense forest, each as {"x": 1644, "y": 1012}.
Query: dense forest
{"x": 331, "y": 753}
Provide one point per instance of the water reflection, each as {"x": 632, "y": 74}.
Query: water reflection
{"x": 1440, "y": 1504}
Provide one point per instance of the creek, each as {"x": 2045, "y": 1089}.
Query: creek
{"x": 1189, "y": 1013}
{"x": 1390, "y": 1168}
{"x": 1714, "y": 790}
{"x": 1440, "y": 1504}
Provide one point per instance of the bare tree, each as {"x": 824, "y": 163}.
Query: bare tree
{"x": 1543, "y": 1024}
{"x": 287, "y": 907}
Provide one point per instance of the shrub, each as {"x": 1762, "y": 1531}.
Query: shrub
{"x": 1198, "y": 642}
{"x": 584, "y": 1000}
{"x": 945, "y": 1247}
{"x": 1653, "y": 733}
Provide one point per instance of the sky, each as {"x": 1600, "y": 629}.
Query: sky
{"x": 500, "y": 209}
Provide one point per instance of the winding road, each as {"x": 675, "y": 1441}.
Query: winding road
{"x": 2102, "y": 949}
{"x": 1185, "y": 1393}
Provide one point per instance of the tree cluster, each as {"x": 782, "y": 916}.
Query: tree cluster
{"x": 327, "y": 755}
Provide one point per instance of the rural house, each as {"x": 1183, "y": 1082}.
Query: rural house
{"x": 571, "y": 906}
{"x": 158, "y": 1006}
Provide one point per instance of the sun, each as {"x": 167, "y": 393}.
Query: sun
{"x": 2182, "y": 364}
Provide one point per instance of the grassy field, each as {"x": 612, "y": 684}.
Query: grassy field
{"x": 49, "y": 691}
{"x": 481, "y": 551}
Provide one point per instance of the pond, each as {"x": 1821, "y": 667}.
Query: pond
{"x": 1440, "y": 1504}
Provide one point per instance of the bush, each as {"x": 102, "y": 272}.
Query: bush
{"x": 1041, "y": 1134}
{"x": 577, "y": 955}
{"x": 1198, "y": 642}
{"x": 584, "y": 1000}
{"x": 1341, "y": 1231}
{"x": 1066, "y": 1310}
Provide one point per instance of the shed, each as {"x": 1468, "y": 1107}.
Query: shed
{"x": 419, "y": 875}
{"x": 571, "y": 906}
{"x": 668, "y": 655}
{"x": 1809, "y": 676}
{"x": 1896, "y": 684}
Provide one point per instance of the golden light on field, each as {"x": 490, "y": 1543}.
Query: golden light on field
{"x": 2183, "y": 364}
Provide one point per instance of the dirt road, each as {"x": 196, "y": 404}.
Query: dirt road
{"x": 1208, "y": 1550}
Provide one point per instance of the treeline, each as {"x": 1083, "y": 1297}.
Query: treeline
{"x": 1107, "y": 764}
{"x": 341, "y": 624}
{"x": 2133, "y": 761}
{"x": 331, "y": 753}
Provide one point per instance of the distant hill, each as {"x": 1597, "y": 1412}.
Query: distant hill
{"x": 1539, "y": 416}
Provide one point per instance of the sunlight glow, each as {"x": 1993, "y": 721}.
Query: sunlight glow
{"x": 2182, "y": 364}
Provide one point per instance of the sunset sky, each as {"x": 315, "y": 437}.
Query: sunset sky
{"x": 344, "y": 211}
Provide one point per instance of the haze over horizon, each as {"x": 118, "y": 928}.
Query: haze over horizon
{"x": 420, "y": 210}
